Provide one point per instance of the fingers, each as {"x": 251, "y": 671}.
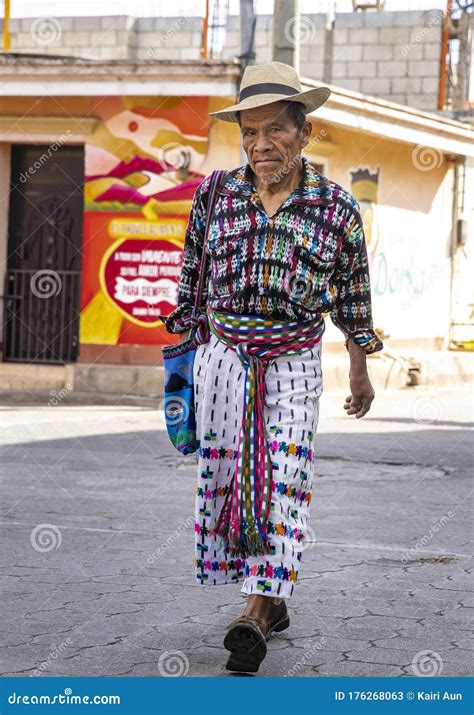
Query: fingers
{"x": 358, "y": 407}
{"x": 364, "y": 408}
{"x": 352, "y": 405}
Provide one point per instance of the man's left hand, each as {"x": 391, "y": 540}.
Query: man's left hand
{"x": 362, "y": 394}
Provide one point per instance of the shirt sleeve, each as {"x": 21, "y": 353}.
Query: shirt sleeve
{"x": 180, "y": 319}
{"x": 352, "y": 311}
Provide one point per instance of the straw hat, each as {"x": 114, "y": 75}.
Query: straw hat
{"x": 271, "y": 82}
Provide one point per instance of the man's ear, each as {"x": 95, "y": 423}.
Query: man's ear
{"x": 307, "y": 130}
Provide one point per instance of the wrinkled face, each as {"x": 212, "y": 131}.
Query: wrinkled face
{"x": 271, "y": 140}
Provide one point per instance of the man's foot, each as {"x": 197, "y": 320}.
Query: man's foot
{"x": 247, "y": 635}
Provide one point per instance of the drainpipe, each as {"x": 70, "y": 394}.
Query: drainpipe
{"x": 205, "y": 30}
{"x": 444, "y": 54}
{"x": 458, "y": 235}
{"x": 6, "y": 31}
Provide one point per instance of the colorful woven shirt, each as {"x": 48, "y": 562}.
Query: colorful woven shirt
{"x": 309, "y": 258}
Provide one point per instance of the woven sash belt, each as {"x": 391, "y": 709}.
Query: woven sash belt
{"x": 243, "y": 520}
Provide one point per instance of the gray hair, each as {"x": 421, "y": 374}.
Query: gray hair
{"x": 296, "y": 111}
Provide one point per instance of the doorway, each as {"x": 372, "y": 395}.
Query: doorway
{"x": 42, "y": 281}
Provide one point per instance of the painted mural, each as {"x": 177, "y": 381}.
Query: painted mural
{"x": 143, "y": 165}
{"x": 364, "y": 187}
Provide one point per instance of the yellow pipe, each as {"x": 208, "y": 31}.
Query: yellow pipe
{"x": 6, "y": 33}
{"x": 205, "y": 27}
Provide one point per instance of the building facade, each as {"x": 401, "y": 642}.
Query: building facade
{"x": 99, "y": 161}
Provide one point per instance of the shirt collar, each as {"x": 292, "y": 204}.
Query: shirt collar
{"x": 314, "y": 188}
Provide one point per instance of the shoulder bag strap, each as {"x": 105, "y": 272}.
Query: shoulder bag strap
{"x": 212, "y": 198}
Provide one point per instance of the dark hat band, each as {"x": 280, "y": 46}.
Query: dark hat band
{"x": 267, "y": 88}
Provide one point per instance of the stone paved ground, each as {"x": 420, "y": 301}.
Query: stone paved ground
{"x": 107, "y": 588}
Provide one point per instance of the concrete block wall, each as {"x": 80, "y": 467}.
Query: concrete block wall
{"x": 391, "y": 55}
{"x": 177, "y": 38}
{"x": 89, "y": 37}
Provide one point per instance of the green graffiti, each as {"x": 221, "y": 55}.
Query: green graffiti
{"x": 400, "y": 280}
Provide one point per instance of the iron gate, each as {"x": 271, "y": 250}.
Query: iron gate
{"x": 41, "y": 323}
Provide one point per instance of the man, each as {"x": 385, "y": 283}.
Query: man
{"x": 285, "y": 245}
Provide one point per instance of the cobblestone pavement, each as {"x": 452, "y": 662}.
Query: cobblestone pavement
{"x": 97, "y": 535}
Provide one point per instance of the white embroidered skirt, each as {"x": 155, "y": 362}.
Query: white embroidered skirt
{"x": 293, "y": 387}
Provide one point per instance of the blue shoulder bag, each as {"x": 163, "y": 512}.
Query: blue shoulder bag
{"x": 178, "y": 360}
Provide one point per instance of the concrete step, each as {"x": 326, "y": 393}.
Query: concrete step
{"x": 139, "y": 380}
{"x": 49, "y": 399}
{"x": 25, "y": 376}
{"x": 387, "y": 371}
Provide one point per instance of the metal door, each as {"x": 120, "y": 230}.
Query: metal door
{"x": 42, "y": 290}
